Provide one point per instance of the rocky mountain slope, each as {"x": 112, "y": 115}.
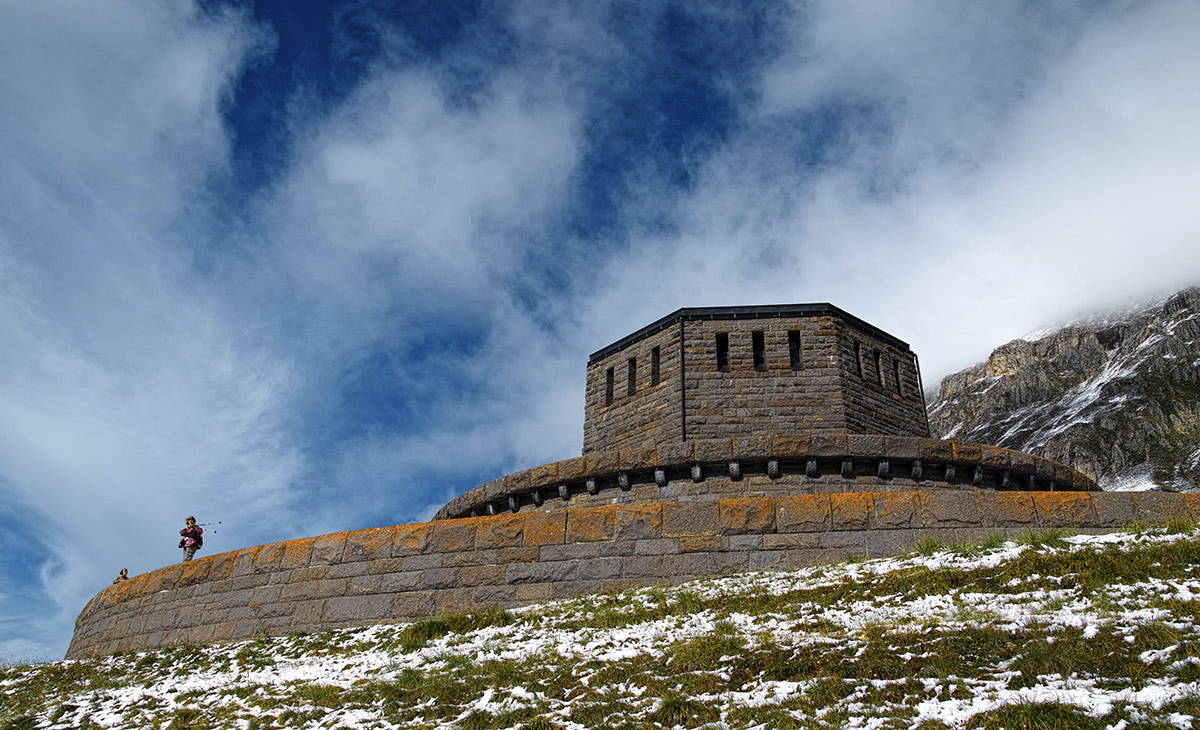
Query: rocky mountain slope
{"x": 1116, "y": 397}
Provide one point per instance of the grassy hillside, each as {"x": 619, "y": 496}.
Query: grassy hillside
{"x": 1050, "y": 631}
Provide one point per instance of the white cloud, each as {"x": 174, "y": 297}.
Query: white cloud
{"x": 996, "y": 170}
{"x": 996, "y": 173}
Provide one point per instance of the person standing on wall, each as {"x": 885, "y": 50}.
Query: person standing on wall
{"x": 192, "y": 538}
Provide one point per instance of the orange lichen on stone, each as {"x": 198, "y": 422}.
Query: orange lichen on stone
{"x": 638, "y": 521}
{"x": 1192, "y": 502}
{"x": 546, "y": 528}
{"x": 703, "y": 544}
{"x": 266, "y": 557}
{"x": 898, "y": 510}
{"x": 409, "y": 539}
{"x": 328, "y": 549}
{"x": 452, "y": 536}
{"x": 1008, "y": 508}
{"x": 369, "y": 544}
{"x": 1064, "y": 508}
{"x": 851, "y": 510}
{"x": 590, "y": 524}
{"x": 741, "y": 515}
{"x": 802, "y": 513}
{"x": 296, "y": 553}
{"x": 222, "y": 565}
{"x": 500, "y": 532}
{"x": 195, "y": 571}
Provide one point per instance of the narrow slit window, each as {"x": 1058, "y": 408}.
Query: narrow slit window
{"x": 632, "y": 383}
{"x": 608, "y": 387}
{"x": 896, "y": 372}
{"x": 858, "y": 358}
{"x": 758, "y": 342}
{"x": 878, "y": 368}
{"x": 655, "y": 373}
{"x": 723, "y": 351}
{"x": 794, "y": 349}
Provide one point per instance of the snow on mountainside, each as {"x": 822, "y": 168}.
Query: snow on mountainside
{"x": 1117, "y": 398}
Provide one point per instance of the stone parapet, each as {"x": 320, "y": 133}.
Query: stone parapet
{"x": 761, "y": 466}
{"x": 409, "y": 571}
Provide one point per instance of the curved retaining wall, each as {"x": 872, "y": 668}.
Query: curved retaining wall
{"x": 407, "y": 571}
{"x": 762, "y": 466}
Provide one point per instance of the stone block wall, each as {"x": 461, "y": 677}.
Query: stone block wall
{"x": 409, "y": 571}
{"x": 848, "y": 377}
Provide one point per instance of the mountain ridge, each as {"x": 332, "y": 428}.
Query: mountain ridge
{"x": 1116, "y": 396}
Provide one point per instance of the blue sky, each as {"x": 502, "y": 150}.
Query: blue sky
{"x": 306, "y": 267}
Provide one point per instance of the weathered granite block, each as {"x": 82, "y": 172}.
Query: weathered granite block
{"x": 690, "y": 518}
{"x": 543, "y": 476}
{"x": 638, "y": 521}
{"x": 898, "y": 510}
{"x": 408, "y": 539}
{"x": 296, "y": 553}
{"x": 803, "y": 513}
{"x": 664, "y": 546}
{"x": 545, "y": 528}
{"x": 901, "y": 448}
{"x": 952, "y": 508}
{"x": 329, "y": 549}
{"x": 570, "y": 470}
{"x": 745, "y": 542}
{"x": 889, "y": 542}
{"x": 427, "y": 562}
{"x": 358, "y": 608}
{"x": 452, "y": 536}
{"x": 477, "y": 575}
{"x": 643, "y": 566}
{"x": 565, "y": 570}
{"x": 590, "y": 524}
{"x": 751, "y": 447}
{"x": 795, "y": 446}
{"x": 713, "y": 449}
{"x": 1158, "y": 508}
{"x": 703, "y": 543}
{"x": 852, "y": 511}
{"x": 500, "y": 531}
{"x": 1008, "y": 509}
{"x": 399, "y": 582}
{"x": 935, "y": 450}
{"x": 830, "y": 444}
{"x": 1064, "y": 508}
{"x": 864, "y": 446}
{"x": 439, "y": 578}
{"x": 601, "y": 463}
{"x": 312, "y": 572}
{"x": 739, "y": 516}
{"x": 416, "y": 603}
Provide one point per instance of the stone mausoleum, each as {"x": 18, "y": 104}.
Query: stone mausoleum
{"x": 716, "y": 440}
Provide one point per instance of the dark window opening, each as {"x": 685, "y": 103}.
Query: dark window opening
{"x": 723, "y": 352}
{"x": 655, "y": 373}
{"x": 794, "y": 349}
{"x": 899, "y": 382}
{"x": 879, "y": 368}
{"x": 608, "y": 387}
{"x": 858, "y": 359}
{"x": 632, "y": 383}
{"x": 760, "y": 355}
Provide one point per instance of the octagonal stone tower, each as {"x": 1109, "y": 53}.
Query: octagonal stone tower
{"x": 720, "y": 372}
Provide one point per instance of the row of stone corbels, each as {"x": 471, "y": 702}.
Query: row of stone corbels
{"x": 558, "y": 479}
{"x": 502, "y": 549}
